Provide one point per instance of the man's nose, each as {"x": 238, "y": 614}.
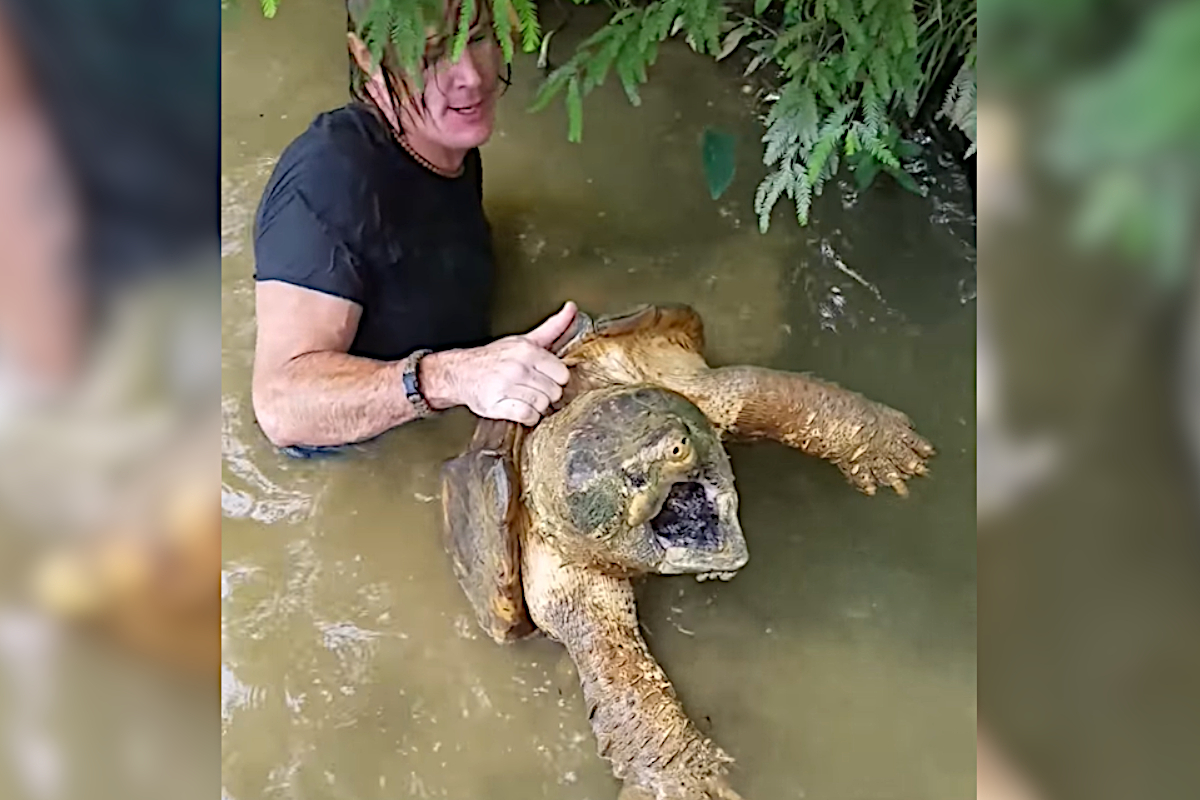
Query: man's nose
{"x": 465, "y": 73}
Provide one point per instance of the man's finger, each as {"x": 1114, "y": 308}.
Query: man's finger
{"x": 538, "y": 382}
{"x": 516, "y": 411}
{"x": 551, "y": 367}
{"x": 545, "y": 334}
{"x": 530, "y": 396}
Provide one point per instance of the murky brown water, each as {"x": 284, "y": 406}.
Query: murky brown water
{"x": 839, "y": 664}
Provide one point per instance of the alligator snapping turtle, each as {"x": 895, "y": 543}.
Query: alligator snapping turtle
{"x": 627, "y": 477}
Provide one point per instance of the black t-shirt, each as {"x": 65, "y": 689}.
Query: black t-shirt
{"x": 349, "y": 212}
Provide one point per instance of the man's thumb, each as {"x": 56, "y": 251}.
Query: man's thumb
{"x": 545, "y": 334}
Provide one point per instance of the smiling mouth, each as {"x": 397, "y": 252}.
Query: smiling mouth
{"x": 465, "y": 110}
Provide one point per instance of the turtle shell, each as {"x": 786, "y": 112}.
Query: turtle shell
{"x": 483, "y": 518}
{"x": 676, "y": 323}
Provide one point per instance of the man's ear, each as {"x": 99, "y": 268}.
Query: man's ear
{"x": 360, "y": 52}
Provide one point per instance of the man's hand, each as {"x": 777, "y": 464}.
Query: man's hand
{"x": 515, "y": 378}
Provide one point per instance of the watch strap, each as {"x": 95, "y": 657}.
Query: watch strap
{"x": 410, "y": 377}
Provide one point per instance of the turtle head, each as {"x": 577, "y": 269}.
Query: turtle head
{"x": 649, "y": 488}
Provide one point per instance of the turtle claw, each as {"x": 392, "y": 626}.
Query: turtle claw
{"x": 886, "y": 452}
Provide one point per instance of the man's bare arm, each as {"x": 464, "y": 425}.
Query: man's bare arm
{"x": 309, "y": 391}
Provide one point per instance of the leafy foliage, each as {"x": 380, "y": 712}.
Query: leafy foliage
{"x": 1129, "y": 134}
{"x": 407, "y": 26}
{"x": 850, "y": 72}
{"x": 959, "y": 103}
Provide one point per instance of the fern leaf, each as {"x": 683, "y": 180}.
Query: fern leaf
{"x": 269, "y": 7}
{"x": 797, "y": 102}
{"x": 554, "y": 84}
{"x": 851, "y": 64}
{"x": 779, "y": 138}
{"x": 574, "y": 111}
{"x": 629, "y": 66}
{"x": 908, "y": 25}
{"x": 801, "y": 194}
{"x": 852, "y": 143}
{"x": 527, "y": 20}
{"x": 403, "y": 35}
{"x": 883, "y": 154}
{"x": 880, "y": 74}
{"x": 818, "y": 158}
{"x": 502, "y": 22}
{"x": 656, "y": 21}
{"x": 873, "y": 111}
{"x": 466, "y": 14}
{"x": 837, "y": 120}
{"x": 597, "y": 67}
{"x": 767, "y": 195}
{"x": 847, "y": 19}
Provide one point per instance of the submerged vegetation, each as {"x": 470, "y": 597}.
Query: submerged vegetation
{"x": 849, "y": 76}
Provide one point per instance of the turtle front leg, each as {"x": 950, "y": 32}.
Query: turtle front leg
{"x": 639, "y": 723}
{"x": 869, "y": 442}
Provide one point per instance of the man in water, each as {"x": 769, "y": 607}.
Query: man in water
{"x": 374, "y": 262}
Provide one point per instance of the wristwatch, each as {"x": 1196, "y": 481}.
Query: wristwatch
{"x": 410, "y": 378}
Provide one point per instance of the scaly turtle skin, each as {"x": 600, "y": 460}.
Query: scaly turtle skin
{"x": 629, "y": 477}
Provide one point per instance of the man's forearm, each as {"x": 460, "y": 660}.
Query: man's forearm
{"x": 332, "y": 398}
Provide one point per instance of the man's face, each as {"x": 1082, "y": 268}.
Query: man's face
{"x": 459, "y": 97}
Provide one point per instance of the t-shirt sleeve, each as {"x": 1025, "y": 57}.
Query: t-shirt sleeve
{"x": 294, "y": 238}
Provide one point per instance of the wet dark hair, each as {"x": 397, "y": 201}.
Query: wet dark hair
{"x": 356, "y": 12}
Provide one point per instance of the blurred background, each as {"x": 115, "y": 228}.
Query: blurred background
{"x": 109, "y": 392}
{"x": 1088, "y": 397}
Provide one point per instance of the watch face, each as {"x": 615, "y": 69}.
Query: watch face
{"x": 410, "y": 383}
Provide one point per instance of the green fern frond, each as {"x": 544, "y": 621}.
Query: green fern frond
{"x": 466, "y": 14}
{"x": 883, "y": 154}
{"x": 851, "y": 65}
{"x": 781, "y": 138}
{"x": 908, "y": 25}
{"x": 557, "y": 81}
{"x": 850, "y": 24}
{"x": 881, "y": 74}
{"x": 852, "y": 143}
{"x": 768, "y": 194}
{"x": 527, "y": 20}
{"x": 631, "y": 69}
{"x": 801, "y": 194}
{"x": 597, "y": 66}
{"x": 574, "y": 111}
{"x": 502, "y": 23}
{"x": 408, "y": 46}
{"x": 819, "y": 157}
{"x": 873, "y": 110}
{"x": 269, "y": 7}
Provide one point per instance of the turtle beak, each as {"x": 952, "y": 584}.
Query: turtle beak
{"x": 699, "y": 532}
